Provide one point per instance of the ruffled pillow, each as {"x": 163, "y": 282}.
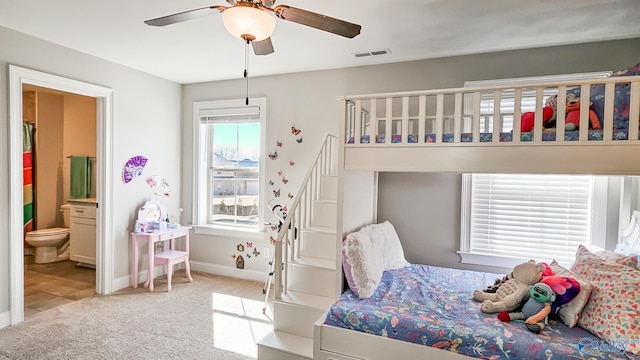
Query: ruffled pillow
{"x": 367, "y": 253}
{"x": 362, "y": 262}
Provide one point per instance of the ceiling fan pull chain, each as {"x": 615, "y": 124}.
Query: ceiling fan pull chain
{"x": 246, "y": 69}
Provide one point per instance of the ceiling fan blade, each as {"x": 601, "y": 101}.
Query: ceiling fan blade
{"x": 318, "y": 21}
{"x": 262, "y": 47}
{"x": 184, "y": 16}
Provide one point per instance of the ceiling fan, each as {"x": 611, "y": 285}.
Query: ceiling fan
{"x": 250, "y": 20}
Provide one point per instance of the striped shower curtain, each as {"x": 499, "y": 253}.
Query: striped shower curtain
{"x": 27, "y": 179}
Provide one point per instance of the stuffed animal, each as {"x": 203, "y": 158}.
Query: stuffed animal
{"x": 552, "y": 102}
{"x": 565, "y": 288}
{"x": 527, "y": 119}
{"x": 572, "y": 121}
{"x": 535, "y": 310}
{"x": 496, "y": 284}
{"x": 510, "y": 294}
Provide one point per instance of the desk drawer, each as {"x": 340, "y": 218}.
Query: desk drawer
{"x": 173, "y": 234}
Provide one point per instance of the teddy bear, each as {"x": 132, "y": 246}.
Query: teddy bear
{"x": 572, "y": 120}
{"x": 510, "y": 293}
{"x": 535, "y": 310}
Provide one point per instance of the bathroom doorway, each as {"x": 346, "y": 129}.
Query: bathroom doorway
{"x": 104, "y": 277}
{"x": 59, "y": 128}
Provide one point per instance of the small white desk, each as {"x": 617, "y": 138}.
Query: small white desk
{"x": 169, "y": 257}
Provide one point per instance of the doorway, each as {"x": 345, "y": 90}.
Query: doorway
{"x": 18, "y": 77}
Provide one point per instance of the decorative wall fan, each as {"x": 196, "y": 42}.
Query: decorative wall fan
{"x": 251, "y": 21}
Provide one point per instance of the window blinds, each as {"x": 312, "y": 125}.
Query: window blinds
{"x": 543, "y": 217}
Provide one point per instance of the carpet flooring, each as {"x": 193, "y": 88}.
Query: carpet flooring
{"x": 214, "y": 317}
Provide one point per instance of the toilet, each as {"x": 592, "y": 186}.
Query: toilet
{"x": 51, "y": 244}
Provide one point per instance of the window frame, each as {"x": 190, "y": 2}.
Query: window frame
{"x": 201, "y": 189}
{"x": 599, "y": 201}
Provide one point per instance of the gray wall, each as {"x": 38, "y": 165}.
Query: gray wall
{"x": 308, "y": 100}
{"x": 146, "y": 119}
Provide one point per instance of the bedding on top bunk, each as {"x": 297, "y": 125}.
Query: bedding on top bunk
{"x": 433, "y": 306}
{"x": 547, "y": 135}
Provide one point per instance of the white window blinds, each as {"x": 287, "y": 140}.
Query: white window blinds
{"x": 542, "y": 217}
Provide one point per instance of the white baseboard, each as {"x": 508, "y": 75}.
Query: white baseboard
{"x": 5, "y": 319}
{"x": 228, "y": 271}
{"x": 125, "y": 281}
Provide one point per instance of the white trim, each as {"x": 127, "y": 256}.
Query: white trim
{"x": 465, "y": 213}
{"x": 233, "y": 232}
{"x": 496, "y": 261}
{"x": 539, "y": 79}
{"x": 5, "y": 319}
{"x": 227, "y": 271}
{"x": 104, "y": 118}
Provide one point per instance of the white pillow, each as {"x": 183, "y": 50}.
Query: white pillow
{"x": 392, "y": 252}
{"x": 364, "y": 256}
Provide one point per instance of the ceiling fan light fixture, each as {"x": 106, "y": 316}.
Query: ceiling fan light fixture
{"x": 248, "y": 22}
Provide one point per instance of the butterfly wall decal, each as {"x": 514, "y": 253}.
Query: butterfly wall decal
{"x": 279, "y": 172}
{"x": 248, "y": 256}
{"x": 233, "y": 256}
{"x": 271, "y": 182}
{"x": 272, "y": 241}
{"x": 295, "y": 131}
{"x": 279, "y": 143}
{"x": 284, "y": 181}
{"x": 256, "y": 252}
{"x": 299, "y": 140}
{"x": 276, "y": 193}
{"x": 290, "y": 196}
{"x": 274, "y": 228}
{"x": 291, "y": 163}
{"x": 274, "y": 155}
{"x": 249, "y": 245}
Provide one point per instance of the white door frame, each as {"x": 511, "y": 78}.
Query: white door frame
{"x": 104, "y": 244}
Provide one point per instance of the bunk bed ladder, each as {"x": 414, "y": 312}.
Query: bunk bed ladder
{"x": 304, "y": 284}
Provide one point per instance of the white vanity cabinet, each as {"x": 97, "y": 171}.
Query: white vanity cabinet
{"x": 82, "y": 232}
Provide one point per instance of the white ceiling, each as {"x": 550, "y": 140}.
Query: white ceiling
{"x": 201, "y": 50}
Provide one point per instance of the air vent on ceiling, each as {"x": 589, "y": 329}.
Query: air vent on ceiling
{"x": 372, "y": 53}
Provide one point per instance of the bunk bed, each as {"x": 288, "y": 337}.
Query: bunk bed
{"x": 478, "y": 129}
{"x": 474, "y": 130}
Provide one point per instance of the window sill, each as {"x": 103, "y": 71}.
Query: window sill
{"x": 497, "y": 261}
{"x": 227, "y": 231}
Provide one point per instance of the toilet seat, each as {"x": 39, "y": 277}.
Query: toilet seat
{"x": 47, "y": 233}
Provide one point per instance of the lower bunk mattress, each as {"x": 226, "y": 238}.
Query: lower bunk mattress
{"x": 434, "y": 306}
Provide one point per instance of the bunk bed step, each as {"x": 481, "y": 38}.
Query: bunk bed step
{"x": 318, "y": 244}
{"x": 311, "y": 279}
{"x": 324, "y": 213}
{"x": 279, "y": 345}
{"x": 329, "y": 189}
{"x": 297, "y": 312}
{"x": 316, "y": 262}
{"x": 322, "y": 229}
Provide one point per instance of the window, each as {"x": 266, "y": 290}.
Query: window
{"x": 229, "y": 140}
{"x": 510, "y": 217}
{"x": 507, "y": 98}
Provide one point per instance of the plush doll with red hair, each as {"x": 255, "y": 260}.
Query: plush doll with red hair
{"x": 572, "y": 121}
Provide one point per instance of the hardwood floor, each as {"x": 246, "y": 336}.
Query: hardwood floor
{"x": 49, "y": 285}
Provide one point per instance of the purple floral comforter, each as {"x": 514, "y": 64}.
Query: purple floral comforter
{"x": 433, "y": 306}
